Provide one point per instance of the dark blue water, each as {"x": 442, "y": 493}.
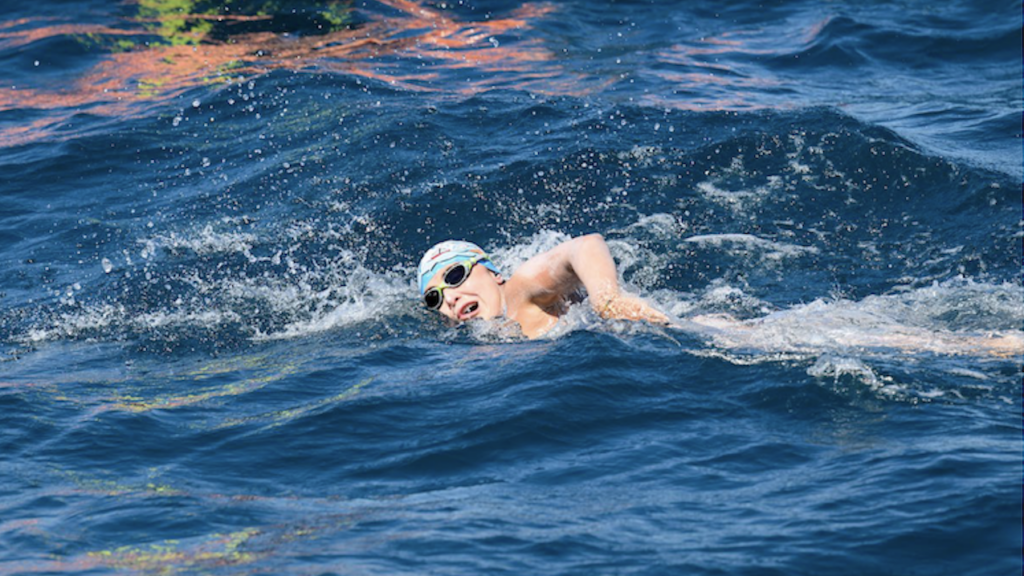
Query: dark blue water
{"x": 214, "y": 360}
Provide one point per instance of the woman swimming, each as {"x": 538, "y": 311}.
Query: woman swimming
{"x": 459, "y": 280}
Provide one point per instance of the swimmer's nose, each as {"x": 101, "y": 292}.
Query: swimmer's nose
{"x": 451, "y": 299}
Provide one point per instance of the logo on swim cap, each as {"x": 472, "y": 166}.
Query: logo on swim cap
{"x": 446, "y": 253}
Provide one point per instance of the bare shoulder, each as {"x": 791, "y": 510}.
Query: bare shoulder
{"x": 548, "y": 275}
{"x": 558, "y": 259}
{"x": 554, "y": 267}
{"x": 538, "y": 265}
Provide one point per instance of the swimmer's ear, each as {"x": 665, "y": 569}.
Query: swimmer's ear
{"x": 498, "y": 278}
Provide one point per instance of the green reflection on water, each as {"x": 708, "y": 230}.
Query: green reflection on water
{"x": 192, "y": 22}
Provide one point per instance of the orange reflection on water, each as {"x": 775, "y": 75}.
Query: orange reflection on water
{"x": 729, "y": 61}
{"x": 444, "y": 43}
{"x": 736, "y": 92}
{"x": 698, "y": 67}
{"x": 21, "y": 38}
{"x": 416, "y": 47}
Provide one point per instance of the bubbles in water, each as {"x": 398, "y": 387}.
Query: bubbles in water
{"x": 836, "y": 367}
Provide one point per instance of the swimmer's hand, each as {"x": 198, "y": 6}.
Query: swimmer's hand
{"x": 623, "y": 307}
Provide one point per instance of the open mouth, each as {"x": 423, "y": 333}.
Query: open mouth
{"x": 469, "y": 309}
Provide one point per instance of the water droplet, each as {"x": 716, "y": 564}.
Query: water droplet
{"x": 107, "y": 265}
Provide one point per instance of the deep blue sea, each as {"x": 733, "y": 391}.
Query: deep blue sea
{"x": 213, "y": 358}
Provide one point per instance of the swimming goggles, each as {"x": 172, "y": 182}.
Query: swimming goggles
{"x": 453, "y": 277}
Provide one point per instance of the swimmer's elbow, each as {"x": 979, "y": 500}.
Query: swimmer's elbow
{"x": 590, "y": 243}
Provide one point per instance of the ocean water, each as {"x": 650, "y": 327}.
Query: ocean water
{"x": 214, "y": 360}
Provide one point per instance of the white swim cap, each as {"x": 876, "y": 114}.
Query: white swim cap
{"x": 449, "y": 252}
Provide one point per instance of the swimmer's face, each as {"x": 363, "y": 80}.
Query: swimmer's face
{"x": 479, "y": 296}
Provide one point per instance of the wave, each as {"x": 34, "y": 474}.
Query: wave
{"x": 844, "y": 41}
{"x": 316, "y": 233}
{"x": 183, "y": 308}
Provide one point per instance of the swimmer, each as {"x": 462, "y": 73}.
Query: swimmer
{"x": 460, "y": 281}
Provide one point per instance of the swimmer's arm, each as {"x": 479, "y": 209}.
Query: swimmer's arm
{"x": 586, "y": 260}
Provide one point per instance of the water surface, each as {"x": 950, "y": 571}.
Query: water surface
{"x": 214, "y": 361}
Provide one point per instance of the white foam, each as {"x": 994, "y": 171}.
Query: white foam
{"x": 643, "y": 155}
{"x": 836, "y": 367}
{"x": 659, "y": 225}
{"x": 736, "y": 200}
{"x": 345, "y": 314}
{"x": 70, "y": 324}
{"x": 184, "y": 318}
{"x": 361, "y": 297}
{"x": 904, "y": 323}
{"x": 205, "y": 241}
{"x": 296, "y": 301}
{"x": 748, "y": 243}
